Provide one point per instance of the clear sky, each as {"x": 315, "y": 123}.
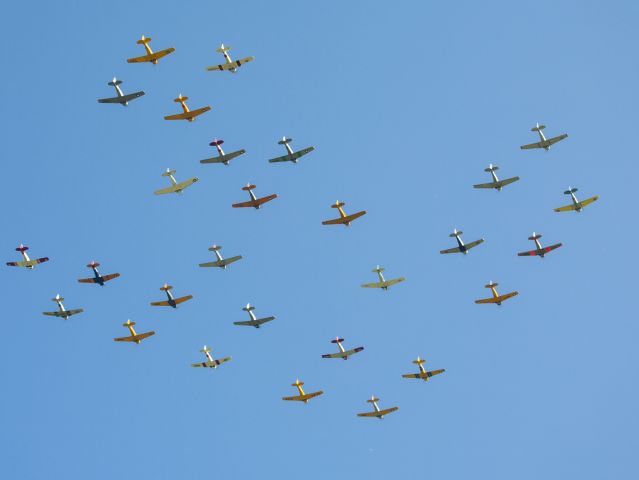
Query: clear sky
{"x": 406, "y": 104}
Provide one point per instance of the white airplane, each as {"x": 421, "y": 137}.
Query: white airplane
{"x": 221, "y": 262}
{"x": 343, "y": 354}
{"x": 210, "y": 362}
{"x": 290, "y": 156}
{"x": 576, "y": 205}
{"x": 253, "y": 322}
{"x": 26, "y": 261}
{"x": 543, "y": 141}
{"x": 121, "y": 98}
{"x": 463, "y": 248}
{"x": 229, "y": 65}
{"x": 496, "y": 183}
{"x": 376, "y": 410}
{"x": 175, "y": 186}
{"x": 383, "y": 283}
{"x": 222, "y": 157}
{"x": 62, "y": 312}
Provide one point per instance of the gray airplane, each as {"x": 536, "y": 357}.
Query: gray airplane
{"x": 222, "y": 157}
{"x": 62, "y": 312}
{"x": 253, "y": 322}
{"x": 461, "y": 248}
{"x": 122, "y": 99}
{"x": 290, "y": 156}
{"x": 543, "y": 142}
{"x": 221, "y": 262}
{"x": 496, "y": 183}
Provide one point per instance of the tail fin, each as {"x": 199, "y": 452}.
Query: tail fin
{"x": 222, "y": 49}
{"x": 169, "y": 172}
{"x": 215, "y": 248}
{"x": 491, "y": 168}
{"x": 248, "y": 187}
{"x": 491, "y": 284}
{"x": 338, "y": 204}
{"x": 570, "y": 190}
{"x": 180, "y": 99}
{"x": 537, "y": 128}
{"x": 456, "y": 233}
{"x": 143, "y": 40}
{"x": 115, "y": 82}
{"x": 22, "y": 248}
{"x": 373, "y": 399}
{"x": 535, "y": 236}
{"x": 378, "y": 269}
{"x": 248, "y": 307}
{"x": 284, "y": 141}
{"x": 216, "y": 142}
{"x": 166, "y": 287}
{"x": 337, "y": 340}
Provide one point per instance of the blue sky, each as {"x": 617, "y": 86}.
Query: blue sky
{"x": 406, "y": 105}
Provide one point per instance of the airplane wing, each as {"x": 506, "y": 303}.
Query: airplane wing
{"x": 335, "y": 221}
{"x": 451, "y": 250}
{"x": 588, "y": 201}
{"x": 220, "y": 361}
{"x": 553, "y": 140}
{"x": 250, "y": 203}
{"x": 201, "y": 364}
{"x": 381, "y": 413}
{"x": 486, "y": 185}
{"x": 344, "y": 220}
{"x": 255, "y": 323}
{"x": 227, "y": 157}
{"x": 506, "y": 296}
{"x": 182, "y": 299}
{"x": 263, "y": 200}
{"x": 529, "y": 253}
{"x": 222, "y": 263}
{"x": 303, "y": 398}
{"x": 231, "y": 65}
{"x": 393, "y": 281}
{"x": 134, "y": 338}
{"x": 163, "y": 303}
{"x": 293, "y": 156}
{"x": 151, "y": 57}
{"x": 28, "y": 263}
{"x": 188, "y": 115}
{"x": 507, "y": 181}
{"x": 123, "y": 99}
{"x": 566, "y": 208}
{"x": 488, "y": 300}
{"x": 106, "y": 278}
{"x": 334, "y": 355}
{"x": 532, "y": 145}
{"x": 74, "y": 311}
{"x": 372, "y": 285}
{"x": 474, "y": 244}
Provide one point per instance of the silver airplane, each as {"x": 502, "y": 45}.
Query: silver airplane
{"x": 62, "y": 312}
{"x": 222, "y": 157}
{"x": 253, "y": 322}
{"x": 496, "y": 183}
{"x": 463, "y": 248}
{"x": 121, "y": 98}
{"x": 383, "y": 283}
{"x": 229, "y": 65}
{"x": 543, "y": 142}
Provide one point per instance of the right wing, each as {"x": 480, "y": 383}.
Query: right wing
{"x": 182, "y": 299}
{"x": 588, "y": 201}
{"x": 163, "y": 303}
{"x": 506, "y": 296}
{"x": 250, "y": 203}
{"x": 372, "y": 285}
{"x": 292, "y": 156}
{"x": 532, "y": 145}
{"x": 88, "y": 280}
{"x": 486, "y": 185}
{"x": 558, "y": 138}
{"x": 529, "y": 253}
{"x": 474, "y": 244}
{"x": 263, "y": 200}
{"x": 451, "y": 250}
{"x": 106, "y": 278}
{"x": 566, "y": 208}
{"x": 393, "y": 281}
{"x": 336, "y": 221}
{"x": 507, "y": 181}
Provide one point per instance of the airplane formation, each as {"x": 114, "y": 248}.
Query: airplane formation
{"x": 292, "y": 156}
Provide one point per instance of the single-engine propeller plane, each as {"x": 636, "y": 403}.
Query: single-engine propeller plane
{"x": 343, "y": 218}
{"x": 423, "y": 373}
{"x": 150, "y": 55}
{"x": 121, "y": 98}
{"x": 254, "y": 201}
{"x": 221, "y": 262}
{"x": 543, "y": 141}
{"x": 253, "y": 322}
{"x": 175, "y": 186}
{"x": 222, "y": 157}
{"x": 496, "y": 298}
{"x": 62, "y": 312}
{"x": 186, "y": 114}
{"x": 539, "y": 250}
{"x": 210, "y": 362}
{"x": 97, "y": 278}
{"x": 26, "y": 262}
{"x": 290, "y": 156}
{"x": 343, "y": 354}
{"x": 302, "y": 397}
{"x": 576, "y": 205}
{"x": 461, "y": 247}
{"x": 170, "y": 301}
{"x": 383, "y": 283}
{"x": 496, "y": 183}
{"x": 229, "y": 65}
{"x": 133, "y": 337}
{"x": 376, "y": 410}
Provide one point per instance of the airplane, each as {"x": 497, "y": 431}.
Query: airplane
{"x": 221, "y": 262}
{"x": 121, "y": 98}
{"x": 539, "y": 250}
{"x": 150, "y": 56}
{"x": 496, "y": 298}
{"x": 463, "y": 248}
{"x": 97, "y": 278}
{"x": 175, "y": 187}
{"x": 496, "y": 183}
{"x": 222, "y": 157}
{"x": 62, "y": 312}
{"x": 229, "y": 65}
{"x": 290, "y": 156}
{"x": 423, "y": 374}
{"x": 210, "y": 362}
{"x": 133, "y": 337}
{"x": 26, "y": 262}
{"x": 376, "y": 411}
{"x": 253, "y": 322}
{"x": 302, "y": 397}
{"x": 383, "y": 283}
{"x": 577, "y": 206}
{"x": 343, "y": 218}
{"x": 543, "y": 142}
{"x": 170, "y": 301}
{"x": 254, "y": 201}
{"x": 186, "y": 114}
{"x": 343, "y": 354}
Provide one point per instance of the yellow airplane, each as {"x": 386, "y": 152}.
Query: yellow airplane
{"x": 302, "y": 397}
{"x": 576, "y": 205}
{"x": 134, "y": 337}
{"x": 376, "y": 410}
{"x": 150, "y": 56}
{"x": 186, "y": 114}
{"x": 496, "y": 298}
{"x": 343, "y": 218}
{"x": 423, "y": 374}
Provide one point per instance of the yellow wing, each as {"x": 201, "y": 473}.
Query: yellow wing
{"x": 188, "y": 115}
{"x": 566, "y": 208}
{"x": 153, "y": 57}
{"x": 588, "y": 201}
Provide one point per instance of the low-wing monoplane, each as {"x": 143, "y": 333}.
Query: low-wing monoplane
{"x": 175, "y": 186}
{"x": 62, "y": 312}
{"x": 150, "y": 55}
{"x": 461, "y": 246}
{"x": 26, "y": 261}
{"x": 543, "y": 141}
{"x": 133, "y": 337}
{"x": 210, "y": 362}
{"x": 253, "y": 322}
{"x": 576, "y": 205}
{"x": 376, "y": 410}
{"x": 222, "y": 157}
{"x": 423, "y": 373}
{"x": 496, "y": 183}
{"x": 382, "y": 283}
{"x": 121, "y": 98}
{"x": 221, "y": 262}
{"x": 254, "y": 201}
{"x": 290, "y": 156}
{"x": 229, "y": 65}
{"x": 539, "y": 250}
{"x": 97, "y": 278}
{"x": 496, "y": 298}
{"x": 343, "y": 218}
{"x": 170, "y": 300}
{"x": 302, "y": 397}
{"x": 186, "y": 114}
{"x": 343, "y": 354}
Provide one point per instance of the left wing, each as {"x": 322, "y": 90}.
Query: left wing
{"x": 153, "y": 57}
{"x": 188, "y": 115}
{"x": 486, "y": 185}
{"x": 451, "y": 250}
{"x": 588, "y": 201}
{"x": 176, "y": 188}
{"x": 567, "y": 208}
{"x": 474, "y": 244}
{"x": 373, "y": 285}
{"x": 532, "y": 145}
{"x": 393, "y": 281}
{"x": 163, "y": 303}
{"x": 488, "y": 300}
{"x": 293, "y": 156}
{"x": 106, "y": 278}
{"x": 227, "y": 157}
{"x": 263, "y": 200}
{"x": 553, "y": 140}
{"x": 28, "y": 263}
{"x": 182, "y": 299}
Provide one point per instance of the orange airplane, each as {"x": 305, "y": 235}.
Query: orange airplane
{"x": 150, "y": 56}
{"x": 254, "y": 201}
{"x": 496, "y": 298}
{"x": 343, "y": 218}
{"x": 187, "y": 114}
